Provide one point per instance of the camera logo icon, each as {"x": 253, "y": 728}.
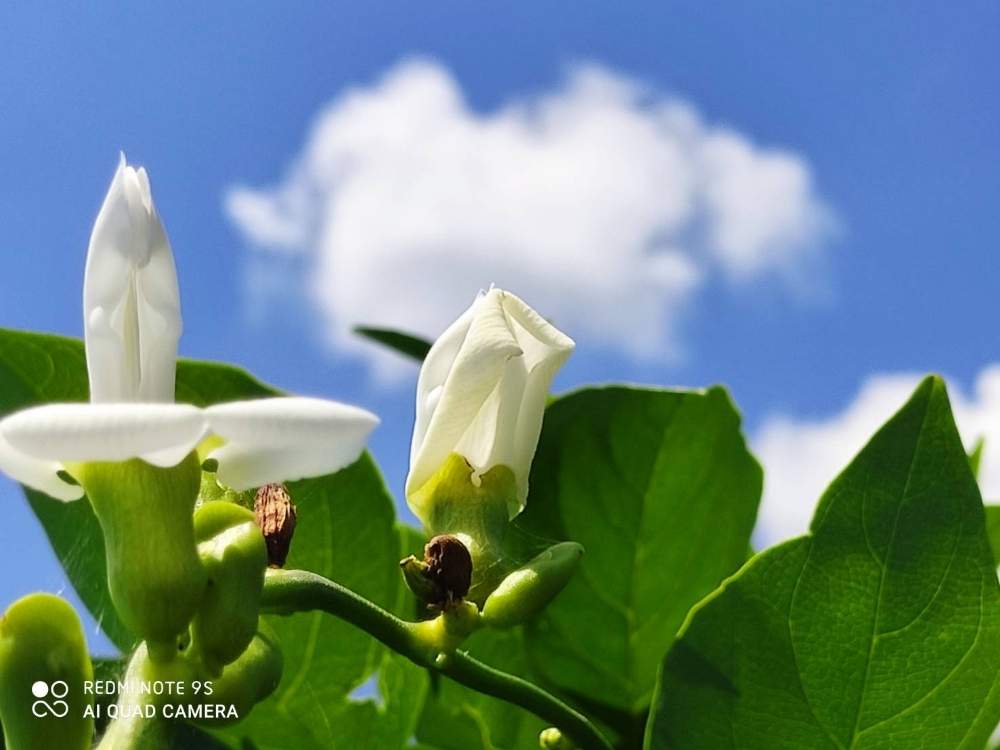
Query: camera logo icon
{"x": 55, "y": 691}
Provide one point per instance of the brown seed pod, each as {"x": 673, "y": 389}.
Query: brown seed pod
{"x": 275, "y": 514}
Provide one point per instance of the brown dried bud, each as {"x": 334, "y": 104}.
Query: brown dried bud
{"x": 275, "y": 514}
{"x": 449, "y": 566}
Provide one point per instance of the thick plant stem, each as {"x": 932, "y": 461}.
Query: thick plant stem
{"x": 290, "y": 591}
{"x": 135, "y": 732}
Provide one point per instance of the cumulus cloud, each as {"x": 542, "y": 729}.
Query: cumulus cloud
{"x": 602, "y": 202}
{"x": 801, "y": 457}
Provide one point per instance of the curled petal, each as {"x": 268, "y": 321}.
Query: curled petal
{"x": 482, "y": 391}
{"x": 159, "y": 433}
{"x": 282, "y": 439}
{"x": 546, "y": 350}
{"x": 39, "y": 475}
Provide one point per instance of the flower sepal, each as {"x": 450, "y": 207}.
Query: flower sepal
{"x": 211, "y": 488}
{"x": 44, "y": 666}
{"x": 553, "y": 739}
{"x": 473, "y": 507}
{"x": 417, "y": 578}
{"x": 155, "y": 577}
{"x": 446, "y": 632}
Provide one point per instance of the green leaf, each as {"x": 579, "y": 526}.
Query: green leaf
{"x": 326, "y": 659}
{"x": 993, "y": 530}
{"x": 878, "y": 629}
{"x": 407, "y": 344}
{"x": 381, "y": 722}
{"x": 345, "y": 531}
{"x": 976, "y": 456}
{"x": 659, "y": 488}
{"x": 34, "y": 369}
{"x": 188, "y": 737}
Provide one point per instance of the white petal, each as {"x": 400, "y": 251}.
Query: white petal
{"x": 456, "y": 380}
{"x": 434, "y": 371}
{"x": 546, "y": 349}
{"x": 105, "y": 432}
{"x": 490, "y": 439}
{"x": 173, "y": 455}
{"x": 39, "y": 475}
{"x": 159, "y": 318}
{"x": 130, "y": 299}
{"x": 106, "y": 284}
{"x": 283, "y": 439}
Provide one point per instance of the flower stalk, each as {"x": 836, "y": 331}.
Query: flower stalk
{"x": 289, "y": 591}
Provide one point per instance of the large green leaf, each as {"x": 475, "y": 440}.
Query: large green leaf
{"x": 346, "y": 531}
{"x": 879, "y": 629}
{"x": 976, "y": 456}
{"x": 660, "y": 489}
{"x": 310, "y": 709}
{"x": 36, "y": 368}
{"x": 993, "y": 530}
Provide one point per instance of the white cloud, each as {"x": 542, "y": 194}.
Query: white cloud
{"x": 801, "y": 457}
{"x": 603, "y": 203}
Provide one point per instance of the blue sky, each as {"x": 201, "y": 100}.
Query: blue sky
{"x": 892, "y": 112}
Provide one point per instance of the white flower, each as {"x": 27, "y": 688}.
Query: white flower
{"x": 132, "y": 323}
{"x": 481, "y": 393}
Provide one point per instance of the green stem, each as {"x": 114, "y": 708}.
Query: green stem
{"x": 135, "y": 732}
{"x": 290, "y": 591}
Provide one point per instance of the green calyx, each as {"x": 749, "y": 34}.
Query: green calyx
{"x": 155, "y": 577}
{"x": 418, "y": 580}
{"x": 448, "y": 630}
{"x": 43, "y": 668}
{"x": 553, "y": 739}
{"x": 250, "y": 679}
{"x": 234, "y": 556}
{"x": 525, "y": 592}
{"x": 475, "y": 508}
{"x": 210, "y": 489}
